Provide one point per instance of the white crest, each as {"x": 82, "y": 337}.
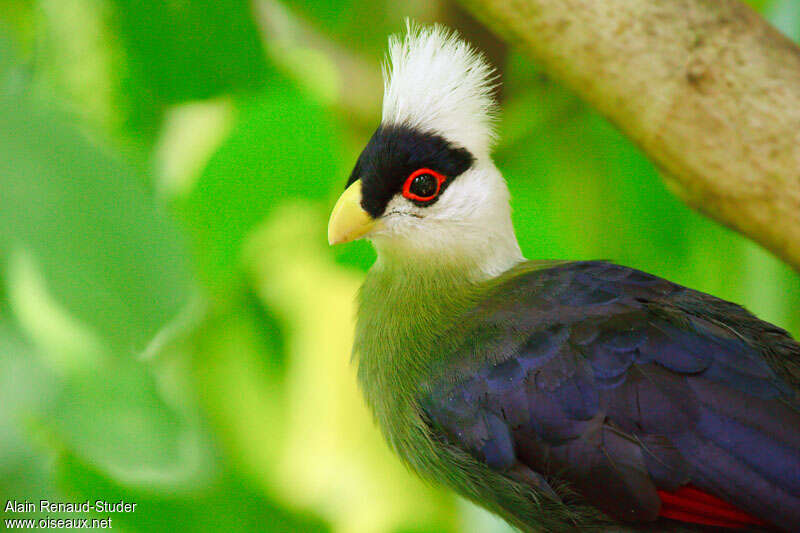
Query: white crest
{"x": 438, "y": 83}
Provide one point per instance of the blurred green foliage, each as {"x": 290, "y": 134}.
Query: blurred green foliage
{"x": 174, "y": 330}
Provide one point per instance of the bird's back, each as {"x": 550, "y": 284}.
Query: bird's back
{"x": 590, "y": 385}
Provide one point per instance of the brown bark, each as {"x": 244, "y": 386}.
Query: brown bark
{"x": 707, "y": 88}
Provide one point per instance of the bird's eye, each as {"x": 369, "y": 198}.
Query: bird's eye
{"x": 423, "y": 185}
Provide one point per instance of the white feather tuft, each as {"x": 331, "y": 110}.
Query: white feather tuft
{"x": 436, "y": 82}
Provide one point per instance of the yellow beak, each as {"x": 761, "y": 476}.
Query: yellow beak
{"x": 348, "y": 220}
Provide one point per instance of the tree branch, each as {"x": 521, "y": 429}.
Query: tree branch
{"x": 708, "y": 89}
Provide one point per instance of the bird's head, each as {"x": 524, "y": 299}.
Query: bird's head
{"x": 425, "y": 187}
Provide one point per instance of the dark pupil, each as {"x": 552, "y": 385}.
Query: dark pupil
{"x": 423, "y": 185}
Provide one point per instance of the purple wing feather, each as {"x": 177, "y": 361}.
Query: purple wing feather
{"x": 624, "y": 385}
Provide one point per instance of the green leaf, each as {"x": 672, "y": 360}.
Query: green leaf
{"x": 94, "y": 271}
{"x": 359, "y": 254}
{"x": 17, "y": 16}
{"x": 283, "y": 147}
{"x": 26, "y": 387}
{"x": 193, "y": 49}
{"x": 117, "y": 421}
{"x": 107, "y": 253}
{"x": 785, "y": 15}
{"x": 230, "y": 503}
{"x": 362, "y": 25}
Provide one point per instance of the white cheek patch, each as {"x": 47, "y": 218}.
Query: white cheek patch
{"x": 471, "y": 220}
{"x": 464, "y": 198}
{"x": 469, "y": 199}
{"x": 401, "y": 218}
{"x": 400, "y": 205}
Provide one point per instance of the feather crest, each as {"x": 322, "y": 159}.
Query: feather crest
{"x": 436, "y": 82}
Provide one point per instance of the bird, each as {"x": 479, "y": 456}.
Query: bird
{"x": 559, "y": 395}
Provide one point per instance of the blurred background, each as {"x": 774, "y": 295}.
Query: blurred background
{"x": 174, "y": 329}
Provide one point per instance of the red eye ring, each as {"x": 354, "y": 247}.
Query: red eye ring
{"x": 407, "y": 185}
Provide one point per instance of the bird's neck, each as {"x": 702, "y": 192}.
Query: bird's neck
{"x": 407, "y": 305}
{"x": 413, "y": 291}
{"x": 403, "y": 312}
{"x": 420, "y": 288}
{"x": 408, "y": 302}
{"x": 414, "y": 296}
